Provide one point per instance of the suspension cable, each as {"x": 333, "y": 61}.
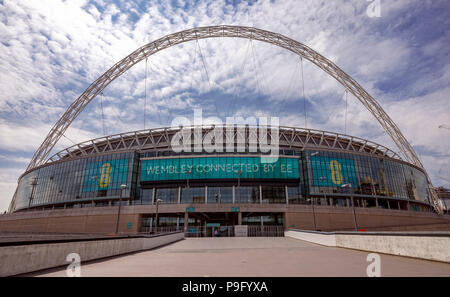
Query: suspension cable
{"x": 193, "y": 62}
{"x": 337, "y": 106}
{"x": 69, "y": 139}
{"x": 207, "y": 74}
{"x": 236, "y": 91}
{"x": 150, "y": 69}
{"x": 204, "y": 64}
{"x": 254, "y": 68}
{"x": 103, "y": 116}
{"x": 145, "y": 90}
{"x": 303, "y": 88}
{"x": 264, "y": 78}
{"x": 346, "y": 108}
{"x": 287, "y": 90}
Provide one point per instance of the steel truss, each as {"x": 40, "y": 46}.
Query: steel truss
{"x": 167, "y": 41}
{"x": 161, "y": 138}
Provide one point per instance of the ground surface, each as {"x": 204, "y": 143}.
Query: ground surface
{"x": 232, "y": 257}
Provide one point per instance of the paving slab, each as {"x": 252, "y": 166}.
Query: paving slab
{"x": 245, "y": 257}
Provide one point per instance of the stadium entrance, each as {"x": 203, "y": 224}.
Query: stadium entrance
{"x": 211, "y": 224}
{"x": 215, "y": 224}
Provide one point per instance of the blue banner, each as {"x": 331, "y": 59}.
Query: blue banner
{"x": 333, "y": 172}
{"x": 106, "y": 175}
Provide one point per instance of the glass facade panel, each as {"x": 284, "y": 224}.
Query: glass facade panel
{"x": 247, "y": 194}
{"x": 295, "y": 195}
{"x": 220, "y": 194}
{"x": 95, "y": 181}
{"x": 272, "y": 194}
{"x": 193, "y": 195}
{"x": 369, "y": 176}
{"x": 168, "y": 196}
{"x": 93, "y": 178}
{"x": 146, "y": 196}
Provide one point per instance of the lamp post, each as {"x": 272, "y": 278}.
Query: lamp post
{"x": 122, "y": 187}
{"x": 33, "y": 186}
{"x": 314, "y": 213}
{"x": 353, "y": 204}
{"x": 95, "y": 178}
{"x": 312, "y": 199}
{"x": 187, "y": 172}
{"x": 158, "y": 201}
{"x": 218, "y": 197}
{"x": 321, "y": 181}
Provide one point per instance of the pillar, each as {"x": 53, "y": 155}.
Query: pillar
{"x": 260, "y": 194}
{"x": 234, "y": 200}
{"x": 286, "y": 194}
{"x": 153, "y": 196}
{"x": 186, "y": 222}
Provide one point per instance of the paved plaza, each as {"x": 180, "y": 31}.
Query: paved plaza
{"x": 258, "y": 256}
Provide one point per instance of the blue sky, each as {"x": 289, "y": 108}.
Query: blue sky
{"x": 50, "y": 51}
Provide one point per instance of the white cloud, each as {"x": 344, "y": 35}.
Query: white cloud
{"x": 8, "y": 184}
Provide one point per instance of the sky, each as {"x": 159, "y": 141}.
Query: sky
{"x": 51, "y": 51}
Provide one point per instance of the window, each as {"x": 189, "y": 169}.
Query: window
{"x": 220, "y": 194}
{"x": 193, "y": 195}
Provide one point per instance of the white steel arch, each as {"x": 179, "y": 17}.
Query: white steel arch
{"x": 167, "y": 41}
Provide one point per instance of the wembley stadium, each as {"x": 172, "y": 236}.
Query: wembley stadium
{"x": 135, "y": 182}
{"x": 314, "y": 169}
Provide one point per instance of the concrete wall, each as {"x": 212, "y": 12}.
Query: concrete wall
{"x": 427, "y": 245}
{"x": 341, "y": 219}
{"x": 102, "y": 220}
{"x": 27, "y": 258}
{"x": 66, "y": 222}
{"x": 327, "y": 239}
{"x": 423, "y": 247}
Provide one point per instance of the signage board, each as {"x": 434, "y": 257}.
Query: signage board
{"x": 218, "y": 168}
{"x": 240, "y": 230}
{"x": 212, "y": 224}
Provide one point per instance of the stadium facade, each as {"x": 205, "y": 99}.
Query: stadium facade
{"x": 315, "y": 170}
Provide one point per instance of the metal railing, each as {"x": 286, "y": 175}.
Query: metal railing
{"x": 165, "y": 229}
{"x": 225, "y": 231}
{"x": 265, "y": 231}
{"x": 199, "y": 231}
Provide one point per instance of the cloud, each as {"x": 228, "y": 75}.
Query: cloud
{"x": 8, "y": 184}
